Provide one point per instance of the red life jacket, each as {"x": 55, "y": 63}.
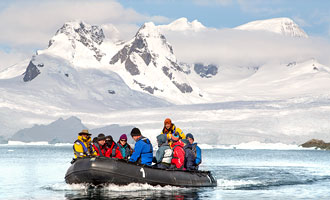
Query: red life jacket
{"x": 100, "y": 150}
{"x": 178, "y": 154}
{"x": 114, "y": 152}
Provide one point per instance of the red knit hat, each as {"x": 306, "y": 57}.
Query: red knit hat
{"x": 167, "y": 121}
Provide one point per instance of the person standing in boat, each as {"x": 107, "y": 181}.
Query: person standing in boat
{"x": 82, "y": 147}
{"x": 100, "y": 146}
{"x": 170, "y": 129}
{"x": 143, "y": 148}
{"x": 178, "y": 153}
{"x": 113, "y": 150}
{"x": 164, "y": 153}
{"x": 197, "y": 151}
{"x": 124, "y": 147}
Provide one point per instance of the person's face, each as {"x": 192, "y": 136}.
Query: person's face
{"x": 123, "y": 142}
{"x": 84, "y": 136}
{"x": 101, "y": 142}
{"x": 191, "y": 141}
{"x": 135, "y": 137}
{"x": 167, "y": 125}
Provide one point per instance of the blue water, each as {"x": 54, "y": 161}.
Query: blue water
{"x": 37, "y": 172}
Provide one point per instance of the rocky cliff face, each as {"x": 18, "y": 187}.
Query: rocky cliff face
{"x": 150, "y": 61}
{"x": 90, "y": 36}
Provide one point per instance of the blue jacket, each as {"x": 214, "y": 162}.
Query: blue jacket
{"x": 142, "y": 151}
{"x": 198, "y": 152}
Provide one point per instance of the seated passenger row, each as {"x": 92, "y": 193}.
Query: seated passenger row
{"x": 174, "y": 152}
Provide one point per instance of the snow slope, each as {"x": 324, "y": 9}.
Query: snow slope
{"x": 282, "y": 26}
{"x": 140, "y": 83}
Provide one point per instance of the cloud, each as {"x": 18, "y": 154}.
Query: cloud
{"x": 9, "y": 58}
{"x": 31, "y": 24}
{"x": 245, "y": 48}
{"x": 34, "y": 22}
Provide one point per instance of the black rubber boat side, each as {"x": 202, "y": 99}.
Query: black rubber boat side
{"x": 101, "y": 170}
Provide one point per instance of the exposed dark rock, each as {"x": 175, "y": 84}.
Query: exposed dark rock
{"x": 31, "y": 72}
{"x": 131, "y": 67}
{"x": 111, "y": 92}
{"x": 183, "y": 87}
{"x": 291, "y": 64}
{"x": 315, "y": 68}
{"x": 122, "y": 55}
{"x": 149, "y": 89}
{"x": 87, "y": 35}
{"x": 205, "y": 71}
{"x": 167, "y": 72}
{"x": 318, "y": 144}
{"x": 67, "y": 75}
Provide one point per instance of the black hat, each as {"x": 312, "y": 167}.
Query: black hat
{"x": 109, "y": 137}
{"x": 101, "y": 136}
{"x": 135, "y": 132}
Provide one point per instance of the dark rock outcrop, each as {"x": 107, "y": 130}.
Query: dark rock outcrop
{"x": 205, "y": 71}
{"x": 318, "y": 144}
{"x": 31, "y": 72}
{"x": 89, "y": 36}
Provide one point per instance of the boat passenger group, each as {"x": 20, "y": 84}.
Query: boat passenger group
{"x": 176, "y": 150}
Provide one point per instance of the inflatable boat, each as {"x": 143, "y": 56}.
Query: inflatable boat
{"x": 101, "y": 170}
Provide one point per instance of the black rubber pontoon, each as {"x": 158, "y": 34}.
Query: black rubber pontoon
{"x": 101, "y": 170}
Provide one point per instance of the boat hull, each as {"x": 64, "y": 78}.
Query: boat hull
{"x": 102, "y": 170}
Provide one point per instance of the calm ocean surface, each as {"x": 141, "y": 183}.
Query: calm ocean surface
{"x": 37, "y": 172}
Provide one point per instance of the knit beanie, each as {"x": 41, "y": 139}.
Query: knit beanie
{"x": 123, "y": 137}
{"x": 135, "y": 132}
{"x": 189, "y": 135}
{"x": 167, "y": 121}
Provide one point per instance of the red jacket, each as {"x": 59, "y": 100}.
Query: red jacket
{"x": 103, "y": 148}
{"x": 110, "y": 151}
{"x": 178, "y": 154}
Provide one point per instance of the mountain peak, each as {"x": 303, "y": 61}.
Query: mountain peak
{"x": 284, "y": 26}
{"x": 76, "y": 35}
{"x": 80, "y": 30}
{"x": 182, "y": 24}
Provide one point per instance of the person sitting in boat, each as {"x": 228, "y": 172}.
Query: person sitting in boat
{"x": 124, "y": 147}
{"x": 100, "y": 146}
{"x": 164, "y": 153}
{"x": 82, "y": 146}
{"x": 178, "y": 153}
{"x": 113, "y": 150}
{"x": 197, "y": 151}
{"x": 169, "y": 129}
{"x": 143, "y": 148}
{"x": 190, "y": 157}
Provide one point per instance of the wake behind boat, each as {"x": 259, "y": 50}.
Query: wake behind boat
{"x": 102, "y": 170}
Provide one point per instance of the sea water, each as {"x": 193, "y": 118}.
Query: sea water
{"x": 37, "y": 172}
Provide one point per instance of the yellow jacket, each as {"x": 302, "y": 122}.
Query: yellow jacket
{"x": 83, "y": 147}
{"x": 173, "y": 130}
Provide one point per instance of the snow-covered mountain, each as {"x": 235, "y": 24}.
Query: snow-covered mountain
{"x": 147, "y": 63}
{"x": 182, "y": 24}
{"x": 283, "y": 26}
{"x": 141, "y": 82}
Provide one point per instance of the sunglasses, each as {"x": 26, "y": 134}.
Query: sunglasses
{"x": 123, "y": 140}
